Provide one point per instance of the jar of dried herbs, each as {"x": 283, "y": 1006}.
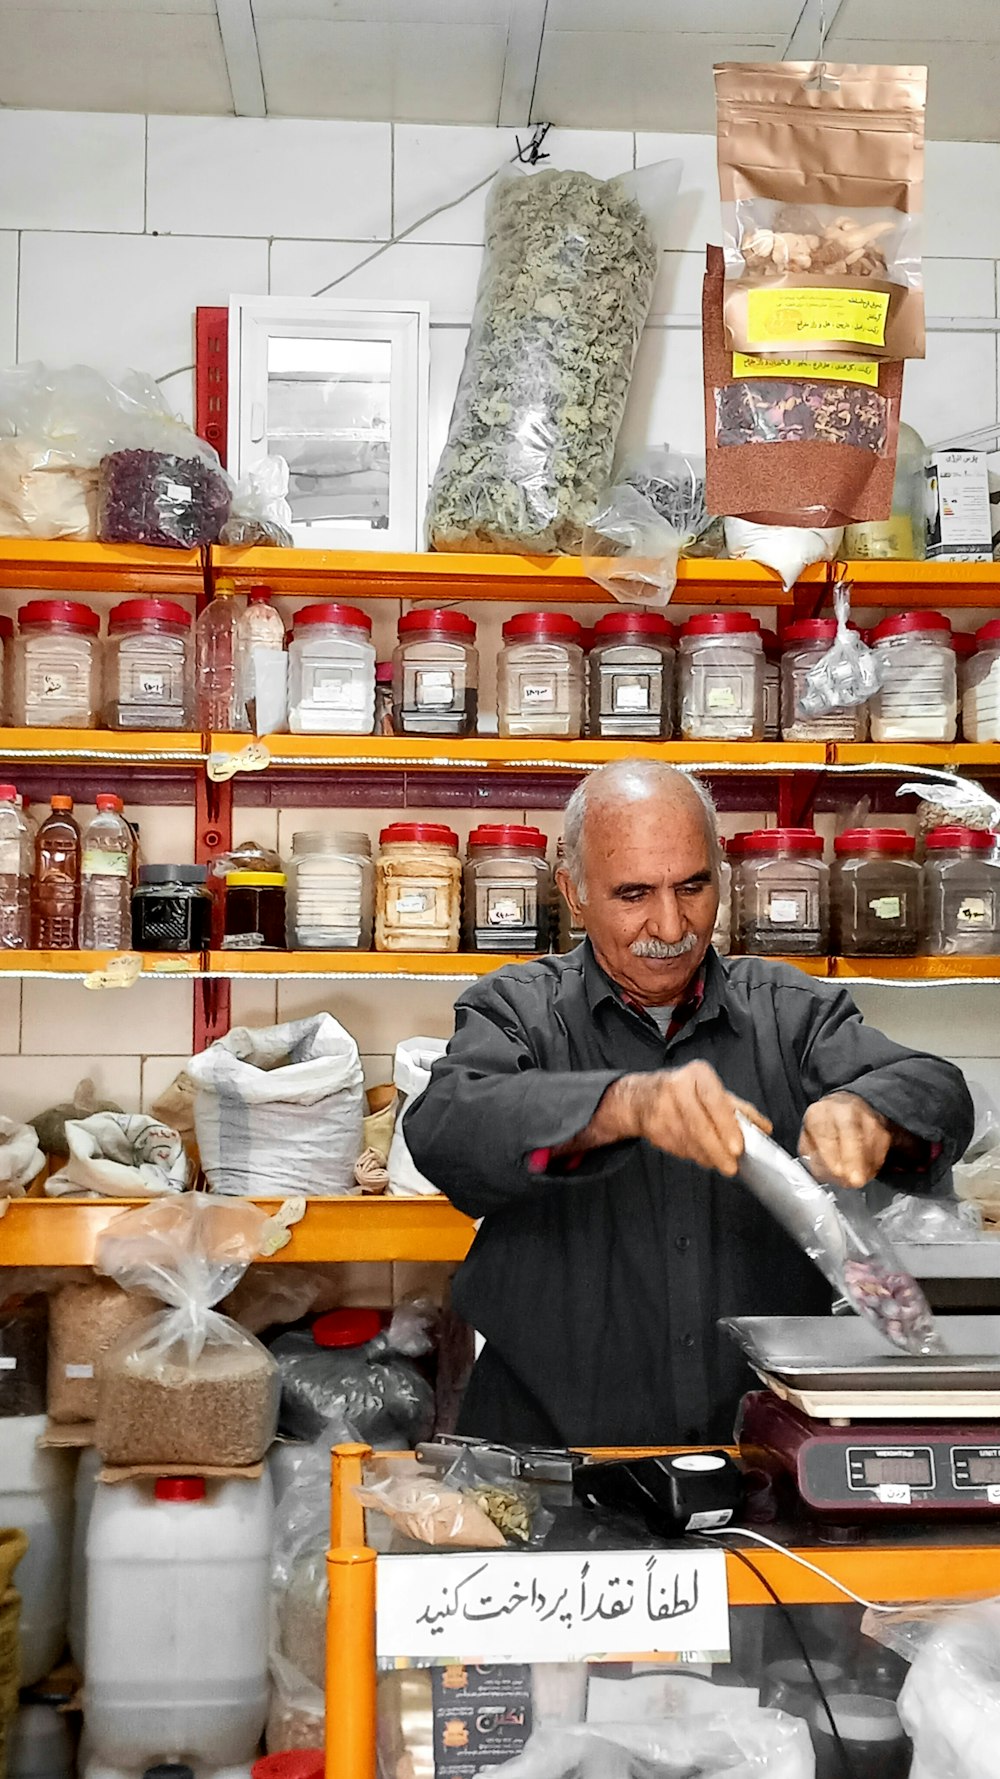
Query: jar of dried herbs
{"x": 540, "y": 676}
{"x": 418, "y": 888}
{"x": 722, "y": 678}
{"x": 435, "y": 674}
{"x": 508, "y": 890}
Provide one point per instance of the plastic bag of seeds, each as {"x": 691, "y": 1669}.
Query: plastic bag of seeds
{"x": 652, "y": 514}
{"x": 85, "y": 1321}
{"x": 188, "y": 1386}
{"x": 345, "y": 1367}
{"x": 841, "y": 1237}
{"x": 299, "y": 1595}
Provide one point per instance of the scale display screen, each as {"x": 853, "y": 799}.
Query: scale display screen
{"x": 983, "y": 1471}
{"x": 871, "y": 1470}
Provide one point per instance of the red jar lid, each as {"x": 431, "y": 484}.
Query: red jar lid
{"x": 941, "y": 839}
{"x": 348, "y": 615}
{"x": 558, "y": 625}
{"x": 508, "y": 834}
{"x": 59, "y": 611}
{"x": 436, "y": 623}
{"x": 8, "y": 793}
{"x": 736, "y": 844}
{"x": 625, "y": 623}
{"x": 6, "y": 627}
{"x": 874, "y": 840}
{"x": 810, "y": 630}
{"x": 383, "y": 673}
{"x": 107, "y": 800}
{"x": 435, "y": 833}
{"x": 964, "y": 643}
{"x": 905, "y": 622}
{"x": 180, "y": 1488}
{"x": 720, "y": 624}
{"x": 987, "y": 633}
{"x": 346, "y": 1328}
{"x": 290, "y": 1763}
{"x": 137, "y": 611}
{"x": 783, "y": 840}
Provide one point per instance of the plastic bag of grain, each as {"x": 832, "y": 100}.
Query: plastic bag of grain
{"x": 188, "y": 1386}
{"x": 85, "y": 1321}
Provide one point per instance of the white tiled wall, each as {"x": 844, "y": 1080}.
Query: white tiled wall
{"x": 114, "y": 228}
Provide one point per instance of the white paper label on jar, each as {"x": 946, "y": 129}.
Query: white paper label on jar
{"x": 974, "y": 912}
{"x": 721, "y": 698}
{"x": 632, "y": 697}
{"x": 339, "y": 693}
{"x": 538, "y": 694}
{"x": 414, "y": 901}
{"x": 79, "y": 1371}
{"x": 178, "y": 491}
{"x": 784, "y": 911}
{"x": 95, "y": 863}
{"x": 435, "y": 689}
{"x": 504, "y": 909}
{"x": 53, "y": 685}
{"x": 7, "y": 1362}
{"x": 153, "y": 685}
{"x": 886, "y": 907}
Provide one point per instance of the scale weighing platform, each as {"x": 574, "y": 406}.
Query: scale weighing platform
{"x": 859, "y": 1431}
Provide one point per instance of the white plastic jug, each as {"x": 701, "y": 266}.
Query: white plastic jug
{"x": 40, "y": 1744}
{"x": 176, "y": 1624}
{"x": 83, "y": 1502}
{"x": 36, "y": 1494}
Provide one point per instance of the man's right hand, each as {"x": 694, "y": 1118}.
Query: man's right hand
{"x": 686, "y": 1112}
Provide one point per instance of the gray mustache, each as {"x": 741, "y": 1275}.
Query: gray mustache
{"x": 658, "y": 948}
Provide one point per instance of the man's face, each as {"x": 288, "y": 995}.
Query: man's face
{"x": 650, "y": 889}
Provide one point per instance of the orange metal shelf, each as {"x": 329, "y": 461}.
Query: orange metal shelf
{"x": 102, "y": 746}
{"x": 161, "y": 964}
{"x": 359, "y": 963}
{"x": 917, "y": 969}
{"x": 940, "y": 756}
{"x": 491, "y": 753}
{"x": 29, "y": 563}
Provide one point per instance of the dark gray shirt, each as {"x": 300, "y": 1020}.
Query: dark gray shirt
{"x": 598, "y": 1291}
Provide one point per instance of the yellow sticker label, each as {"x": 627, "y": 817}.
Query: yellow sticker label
{"x": 817, "y": 317}
{"x": 828, "y": 370}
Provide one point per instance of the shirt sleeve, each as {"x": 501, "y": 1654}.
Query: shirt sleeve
{"x": 921, "y": 1094}
{"x": 477, "y": 1128}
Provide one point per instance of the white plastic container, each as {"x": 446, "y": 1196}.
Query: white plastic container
{"x": 177, "y": 1608}
{"x": 331, "y": 672}
{"x": 40, "y": 1744}
{"x": 36, "y": 1494}
{"x": 83, "y": 1504}
{"x": 918, "y": 700}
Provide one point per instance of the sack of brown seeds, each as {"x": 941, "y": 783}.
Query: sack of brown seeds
{"x": 784, "y": 449}
{"x": 822, "y": 193}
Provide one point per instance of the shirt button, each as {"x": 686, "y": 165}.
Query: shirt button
{"x": 682, "y": 1243}
{"x": 686, "y": 1340}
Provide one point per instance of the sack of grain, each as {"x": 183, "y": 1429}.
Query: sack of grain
{"x": 188, "y": 1386}
{"x": 85, "y": 1321}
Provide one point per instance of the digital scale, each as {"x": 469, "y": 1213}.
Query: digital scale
{"x": 856, "y": 1430}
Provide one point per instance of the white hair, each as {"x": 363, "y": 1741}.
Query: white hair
{"x": 630, "y": 781}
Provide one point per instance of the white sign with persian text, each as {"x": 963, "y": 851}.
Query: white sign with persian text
{"x": 553, "y": 1606}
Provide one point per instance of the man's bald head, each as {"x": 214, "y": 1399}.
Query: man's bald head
{"x": 626, "y": 784}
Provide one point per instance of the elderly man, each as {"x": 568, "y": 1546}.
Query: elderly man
{"x": 586, "y": 1111}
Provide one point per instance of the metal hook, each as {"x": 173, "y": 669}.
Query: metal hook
{"x": 819, "y": 80}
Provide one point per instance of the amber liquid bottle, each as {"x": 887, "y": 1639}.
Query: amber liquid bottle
{"x": 55, "y": 893}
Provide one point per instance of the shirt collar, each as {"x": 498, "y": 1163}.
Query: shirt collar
{"x": 703, "y": 997}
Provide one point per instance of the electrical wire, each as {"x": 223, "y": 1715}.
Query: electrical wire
{"x": 804, "y": 1563}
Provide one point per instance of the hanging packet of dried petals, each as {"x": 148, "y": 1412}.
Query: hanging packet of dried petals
{"x": 822, "y": 194}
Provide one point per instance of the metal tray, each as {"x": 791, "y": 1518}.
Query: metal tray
{"x": 846, "y": 1353}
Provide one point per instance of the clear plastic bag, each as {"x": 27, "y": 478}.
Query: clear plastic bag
{"x": 260, "y": 513}
{"x": 950, "y": 1701}
{"x": 940, "y": 1220}
{"x": 299, "y": 1596}
{"x": 567, "y": 279}
{"x": 849, "y": 673}
{"x": 431, "y": 1512}
{"x": 742, "y": 1743}
{"x": 961, "y": 800}
{"x": 513, "y": 1507}
{"x": 788, "y": 549}
{"x": 841, "y": 1237}
{"x": 189, "y": 1386}
{"x": 375, "y": 1387}
{"x": 643, "y": 524}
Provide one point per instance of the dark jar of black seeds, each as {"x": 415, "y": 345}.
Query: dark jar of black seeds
{"x": 171, "y": 908}
{"x": 875, "y": 893}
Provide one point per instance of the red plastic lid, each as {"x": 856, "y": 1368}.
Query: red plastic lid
{"x": 874, "y": 840}
{"x": 720, "y": 624}
{"x": 348, "y": 615}
{"x": 987, "y": 633}
{"x": 783, "y": 840}
{"x": 904, "y": 622}
{"x": 436, "y": 623}
{"x": 60, "y": 802}
{"x": 435, "y": 833}
{"x": 383, "y": 673}
{"x": 8, "y": 793}
{"x": 625, "y": 623}
{"x": 258, "y": 592}
{"x": 940, "y": 839}
{"x": 180, "y": 1488}
{"x": 291, "y": 1763}
{"x": 107, "y": 800}
{"x": 964, "y": 642}
{"x": 508, "y": 834}
{"x": 737, "y": 844}
{"x": 558, "y": 625}
{"x": 346, "y": 1328}
{"x": 59, "y": 611}
{"x": 810, "y": 630}
{"x": 6, "y": 626}
{"x": 137, "y": 611}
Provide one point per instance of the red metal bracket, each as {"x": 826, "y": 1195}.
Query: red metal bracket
{"x": 797, "y": 799}
{"x": 213, "y": 835}
{"x": 211, "y": 377}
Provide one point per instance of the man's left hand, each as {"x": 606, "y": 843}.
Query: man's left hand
{"x": 843, "y": 1142}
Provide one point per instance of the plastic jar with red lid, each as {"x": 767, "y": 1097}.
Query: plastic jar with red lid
{"x": 6, "y": 665}
{"x": 331, "y": 671}
{"x": 540, "y": 676}
{"x": 435, "y": 674}
{"x": 981, "y": 694}
{"x": 56, "y": 681}
{"x": 784, "y": 893}
{"x": 418, "y": 888}
{"x": 148, "y": 682}
{"x": 918, "y": 699}
{"x": 804, "y": 644}
{"x": 961, "y": 893}
{"x": 721, "y": 678}
{"x": 631, "y": 675}
{"x": 875, "y": 893}
{"x": 508, "y": 889}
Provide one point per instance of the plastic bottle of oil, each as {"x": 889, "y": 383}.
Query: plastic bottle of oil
{"x": 55, "y": 899}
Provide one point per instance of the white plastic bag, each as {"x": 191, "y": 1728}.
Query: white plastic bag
{"x": 950, "y": 1701}
{"x": 652, "y": 513}
{"x": 849, "y": 673}
{"x": 299, "y": 1596}
{"x": 260, "y": 513}
{"x": 278, "y": 1111}
{"x": 21, "y": 1157}
{"x": 726, "y": 1744}
{"x": 121, "y": 1155}
{"x": 411, "y": 1071}
{"x": 788, "y": 549}
{"x": 938, "y": 1220}
{"x": 567, "y": 278}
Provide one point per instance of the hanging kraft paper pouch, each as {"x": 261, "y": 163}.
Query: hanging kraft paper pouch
{"x": 830, "y": 437}
{"x": 822, "y": 193}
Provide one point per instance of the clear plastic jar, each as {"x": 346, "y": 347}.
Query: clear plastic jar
{"x": 147, "y": 666}
{"x": 418, "y": 888}
{"x": 961, "y": 893}
{"x": 919, "y": 696}
{"x": 805, "y": 643}
{"x": 722, "y": 678}
{"x": 567, "y": 934}
{"x": 722, "y": 933}
{"x": 735, "y": 848}
{"x": 331, "y": 892}
{"x": 508, "y": 890}
{"x": 784, "y": 890}
{"x": 875, "y": 893}
{"x": 981, "y": 694}
{"x": 540, "y": 676}
{"x": 900, "y": 538}
{"x": 331, "y": 672}
{"x": 383, "y": 698}
{"x": 171, "y": 908}
{"x": 56, "y": 666}
{"x": 435, "y": 674}
{"x": 6, "y": 666}
{"x": 631, "y": 675}
{"x": 870, "y": 1742}
{"x": 772, "y": 684}
{"x": 254, "y": 911}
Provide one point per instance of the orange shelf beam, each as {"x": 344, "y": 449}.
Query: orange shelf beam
{"x": 160, "y": 964}
{"x": 492, "y": 753}
{"x": 887, "y": 1574}
{"x": 102, "y": 747}
{"x": 443, "y": 964}
{"x": 30, "y": 563}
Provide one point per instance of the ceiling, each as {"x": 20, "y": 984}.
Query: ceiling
{"x": 601, "y": 64}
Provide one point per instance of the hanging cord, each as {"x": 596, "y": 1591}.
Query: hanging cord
{"x": 819, "y": 80}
